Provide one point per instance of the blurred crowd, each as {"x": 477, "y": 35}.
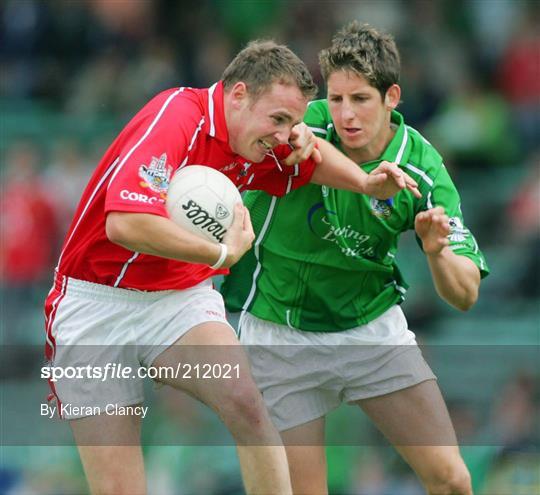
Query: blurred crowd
{"x": 72, "y": 72}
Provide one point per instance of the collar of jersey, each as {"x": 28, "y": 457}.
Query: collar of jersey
{"x": 392, "y": 151}
{"x": 216, "y": 115}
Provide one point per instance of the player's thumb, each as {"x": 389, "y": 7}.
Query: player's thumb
{"x": 316, "y": 155}
{"x": 378, "y": 178}
{"x": 239, "y": 213}
{"x": 438, "y": 210}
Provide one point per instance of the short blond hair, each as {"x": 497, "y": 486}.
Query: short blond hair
{"x": 262, "y": 63}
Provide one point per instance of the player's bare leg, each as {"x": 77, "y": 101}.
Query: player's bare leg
{"x": 307, "y": 458}
{"x": 238, "y": 403}
{"x": 416, "y": 421}
{"x": 111, "y": 455}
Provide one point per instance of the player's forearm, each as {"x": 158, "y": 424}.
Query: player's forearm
{"x": 456, "y": 278}
{"x": 337, "y": 170}
{"x": 159, "y": 236}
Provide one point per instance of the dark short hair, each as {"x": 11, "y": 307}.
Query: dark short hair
{"x": 262, "y": 63}
{"x": 362, "y": 49}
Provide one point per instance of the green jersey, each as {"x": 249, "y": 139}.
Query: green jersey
{"x": 324, "y": 259}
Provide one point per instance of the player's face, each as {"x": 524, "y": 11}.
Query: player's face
{"x": 361, "y": 116}
{"x": 263, "y": 122}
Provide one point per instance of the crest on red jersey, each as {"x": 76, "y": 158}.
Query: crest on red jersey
{"x": 157, "y": 175}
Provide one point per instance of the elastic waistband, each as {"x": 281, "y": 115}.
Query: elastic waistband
{"x": 107, "y": 293}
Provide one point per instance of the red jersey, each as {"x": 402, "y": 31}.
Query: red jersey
{"x": 177, "y": 128}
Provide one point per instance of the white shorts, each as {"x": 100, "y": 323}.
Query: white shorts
{"x": 305, "y": 375}
{"x": 96, "y": 325}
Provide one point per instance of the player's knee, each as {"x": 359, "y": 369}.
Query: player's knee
{"x": 243, "y": 403}
{"x": 462, "y": 483}
{"x": 453, "y": 479}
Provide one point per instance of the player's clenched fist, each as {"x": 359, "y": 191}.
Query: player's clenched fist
{"x": 239, "y": 236}
{"x": 304, "y": 145}
{"x": 433, "y": 228}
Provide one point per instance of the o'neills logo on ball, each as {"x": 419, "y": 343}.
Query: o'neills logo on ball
{"x": 221, "y": 211}
{"x": 202, "y": 219}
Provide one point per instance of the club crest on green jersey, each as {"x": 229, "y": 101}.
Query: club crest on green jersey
{"x": 381, "y": 208}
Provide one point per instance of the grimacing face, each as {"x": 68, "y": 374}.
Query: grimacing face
{"x": 262, "y": 122}
{"x": 361, "y": 116}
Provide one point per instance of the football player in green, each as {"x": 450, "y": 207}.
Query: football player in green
{"x": 320, "y": 291}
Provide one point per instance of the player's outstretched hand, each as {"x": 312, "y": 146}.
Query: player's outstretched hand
{"x": 304, "y": 145}
{"x": 387, "y": 180}
{"x": 239, "y": 236}
{"x": 433, "y": 227}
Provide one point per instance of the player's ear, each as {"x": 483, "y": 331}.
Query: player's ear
{"x": 239, "y": 94}
{"x": 391, "y": 99}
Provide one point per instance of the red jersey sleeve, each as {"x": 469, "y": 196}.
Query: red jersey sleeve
{"x": 149, "y": 150}
{"x": 278, "y": 179}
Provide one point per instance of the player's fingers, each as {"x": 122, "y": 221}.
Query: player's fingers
{"x": 291, "y": 159}
{"x": 300, "y": 135}
{"x": 427, "y": 222}
{"x": 440, "y": 218}
{"x": 239, "y": 214}
{"x": 438, "y": 210}
{"x": 444, "y": 228}
{"x": 300, "y": 130}
{"x": 445, "y": 221}
{"x": 378, "y": 178}
{"x": 307, "y": 150}
{"x": 397, "y": 174}
{"x": 294, "y": 135}
{"x": 412, "y": 185}
{"x": 385, "y": 166}
{"x": 316, "y": 155}
{"x": 248, "y": 227}
{"x": 441, "y": 231}
{"x": 409, "y": 180}
{"x": 301, "y": 154}
{"x": 423, "y": 216}
{"x": 440, "y": 221}
{"x": 414, "y": 189}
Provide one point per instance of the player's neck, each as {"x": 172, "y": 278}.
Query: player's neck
{"x": 373, "y": 150}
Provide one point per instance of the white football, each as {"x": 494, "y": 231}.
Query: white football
{"x": 201, "y": 199}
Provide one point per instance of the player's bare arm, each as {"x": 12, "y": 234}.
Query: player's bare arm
{"x": 337, "y": 170}
{"x": 159, "y": 236}
{"x": 456, "y": 278}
